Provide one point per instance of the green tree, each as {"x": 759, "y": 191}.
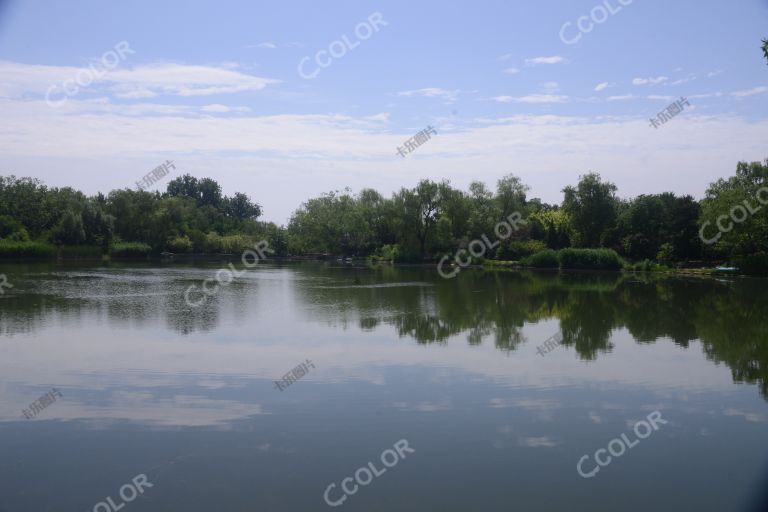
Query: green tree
{"x": 241, "y": 208}
{"x": 70, "y": 229}
{"x": 511, "y": 195}
{"x": 591, "y": 206}
{"x": 736, "y": 196}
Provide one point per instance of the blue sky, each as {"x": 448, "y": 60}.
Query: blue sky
{"x": 215, "y": 87}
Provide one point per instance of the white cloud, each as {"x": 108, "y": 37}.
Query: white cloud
{"x": 750, "y": 92}
{"x": 511, "y": 71}
{"x": 219, "y": 108}
{"x": 650, "y": 81}
{"x": 432, "y": 92}
{"x": 145, "y": 81}
{"x": 659, "y": 97}
{"x": 714, "y": 73}
{"x": 537, "y": 442}
{"x": 545, "y": 60}
{"x": 683, "y": 80}
{"x": 506, "y": 56}
{"x": 184, "y": 80}
{"x": 623, "y": 97}
{"x": 266, "y": 46}
{"x": 602, "y": 86}
{"x": 532, "y": 98}
{"x": 381, "y": 117}
{"x": 551, "y": 86}
{"x": 707, "y": 95}
{"x": 311, "y": 153}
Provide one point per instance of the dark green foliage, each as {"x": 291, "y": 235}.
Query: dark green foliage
{"x": 516, "y": 250}
{"x": 752, "y": 265}
{"x": 80, "y": 252}
{"x": 544, "y": 259}
{"x": 589, "y": 259}
{"x": 69, "y": 230}
{"x": 414, "y": 225}
{"x": 26, "y": 250}
{"x": 130, "y": 250}
{"x": 592, "y": 207}
{"x": 9, "y": 226}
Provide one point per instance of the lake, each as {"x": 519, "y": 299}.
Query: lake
{"x": 492, "y": 391}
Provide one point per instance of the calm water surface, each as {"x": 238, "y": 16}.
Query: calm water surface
{"x": 187, "y": 395}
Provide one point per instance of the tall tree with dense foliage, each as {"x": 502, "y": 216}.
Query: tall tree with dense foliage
{"x": 738, "y": 196}
{"x": 592, "y": 208}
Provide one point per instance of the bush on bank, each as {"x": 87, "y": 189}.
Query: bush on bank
{"x": 589, "y": 259}
{"x": 543, "y": 259}
{"x": 15, "y": 249}
{"x": 130, "y": 250}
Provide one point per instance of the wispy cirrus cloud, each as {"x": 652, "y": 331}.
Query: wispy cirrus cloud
{"x": 511, "y": 71}
{"x": 432, "y": 92}
{"x": 535, "y": 61}
{"x": 532, "y": 98}
{"x": 145, "y": 81}
{"x": 650, "y": 81}
{"x": 622, "y": 97}
{"x": 684, "y": 80}
{"x": 660, "y": 97}
{"x": 603, "y": 86}
{"x": 218, "y": 108}
{"x": 750, "y": 92}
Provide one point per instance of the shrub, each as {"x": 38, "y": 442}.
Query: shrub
{"x": 10, "y": 249}
{"x": 387, "y": 253}
{"x": 213, "y": 243}
{"x": 666, "y": 253}
{"x": 19, "y": 236}
{"x": 179, "y": 244}
{"x": 542, "y": 259}
{"x": 643, "y": 266}
{"x": 235, "y": 244}
{"x": 516, "y": 250}
{"x": 591, "y": 259}
{"x": 130, "y": 250}
{"x": 753, "y": 265}
{"x": 9, "y": 226}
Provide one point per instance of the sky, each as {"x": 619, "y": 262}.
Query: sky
{"x": 287, "y": 100}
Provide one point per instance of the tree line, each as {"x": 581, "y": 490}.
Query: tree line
{"x": 413, "y": 224}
